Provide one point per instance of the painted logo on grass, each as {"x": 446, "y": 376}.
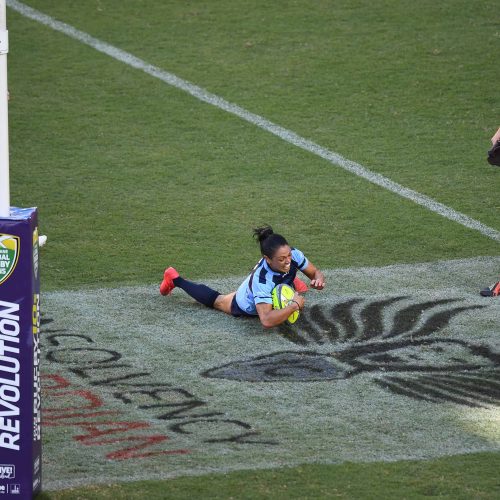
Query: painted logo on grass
{"x": 406, "y": 346}
{"x": 9, "y": 255}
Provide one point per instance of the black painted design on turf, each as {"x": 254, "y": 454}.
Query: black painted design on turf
{"x": 404, "y": 345}
{"x": 170, "y": 405}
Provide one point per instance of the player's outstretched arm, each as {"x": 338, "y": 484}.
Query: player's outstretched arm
{"x": 315, "y": 275}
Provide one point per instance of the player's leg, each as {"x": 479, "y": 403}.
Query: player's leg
{"x": 201, "y": 293}
{"x": 491, "y": 291}
{"x": 223, "y": 303}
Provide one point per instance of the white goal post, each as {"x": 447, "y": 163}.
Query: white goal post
{"x": 4, "y": 113}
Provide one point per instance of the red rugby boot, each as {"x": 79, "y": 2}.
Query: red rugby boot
{"x": 167, "y": 285}
{"x": 300, "y": 286}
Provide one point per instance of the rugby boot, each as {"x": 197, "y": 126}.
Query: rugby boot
{"x": 300, "y": 286}
{"x": 167, "y": 285}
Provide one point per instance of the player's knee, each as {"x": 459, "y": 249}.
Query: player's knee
{"x": 223, "y": 303}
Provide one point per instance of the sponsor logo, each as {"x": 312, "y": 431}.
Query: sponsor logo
{"x": 9, "y": 255}
{"x": 7, "y": 471}
{"x": 10, "y": 367}
{"x": 37, "y": 398}
{"x": 35, "y": 252}
{"x": 15, "y": 489}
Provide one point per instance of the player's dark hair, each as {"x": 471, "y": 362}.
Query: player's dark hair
{"x": 268, "y": 240}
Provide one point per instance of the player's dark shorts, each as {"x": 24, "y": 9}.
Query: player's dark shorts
{"x": 236, "y": 309}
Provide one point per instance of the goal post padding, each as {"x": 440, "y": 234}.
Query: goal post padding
{"x": 20, "y": 390}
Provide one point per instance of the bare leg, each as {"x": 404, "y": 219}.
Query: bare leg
{"x": 223, "y": 302}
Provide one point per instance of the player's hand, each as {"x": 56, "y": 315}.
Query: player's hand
{"x": 318, "y": 282}
{"x": 299, "y": 299}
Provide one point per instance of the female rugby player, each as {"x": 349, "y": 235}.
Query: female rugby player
{"x": 279, "y": 264}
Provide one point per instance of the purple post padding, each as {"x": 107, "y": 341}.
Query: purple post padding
{"x": 20, "y": 396}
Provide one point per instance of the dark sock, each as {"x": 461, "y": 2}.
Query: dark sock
{"x": 202, "y": 293}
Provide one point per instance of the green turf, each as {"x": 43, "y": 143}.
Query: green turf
{"x": 130, "y": 175}
{"x": 460, "y": 477}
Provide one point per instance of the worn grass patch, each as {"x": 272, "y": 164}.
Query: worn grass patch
{"x": 388, "y": 364}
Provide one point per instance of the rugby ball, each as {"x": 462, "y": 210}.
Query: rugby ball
{"x": 281, "y": 295}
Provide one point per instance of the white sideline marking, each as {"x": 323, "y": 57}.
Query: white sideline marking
{"x": 259, "y": 121}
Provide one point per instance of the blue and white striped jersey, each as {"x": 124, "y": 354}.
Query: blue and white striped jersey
{"x": 257, "y": 287}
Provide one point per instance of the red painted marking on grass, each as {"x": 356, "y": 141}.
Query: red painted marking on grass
{"x": 131, "y": 452}
{"x": 94, "y": 400}
{"x": 97, "y": 429}
{"x": 59, "y": 382}
{"x": 60, "y": 420}
{"x": 95, "y": 433}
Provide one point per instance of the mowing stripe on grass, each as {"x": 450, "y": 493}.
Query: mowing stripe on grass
{"x": 259, "y": 121}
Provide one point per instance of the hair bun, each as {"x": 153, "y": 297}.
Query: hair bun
{"x": 261, "y": 233}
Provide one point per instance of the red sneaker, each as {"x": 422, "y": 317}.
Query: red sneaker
{"x": 300, "y": 286}
{"x": 167, "y": 285}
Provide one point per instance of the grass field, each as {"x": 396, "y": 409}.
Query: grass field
{"x": 131, "y": 174}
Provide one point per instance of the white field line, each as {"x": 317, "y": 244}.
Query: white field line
{"x": 259, "y": 121}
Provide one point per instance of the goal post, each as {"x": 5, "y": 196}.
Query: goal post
{"x": 20, "y": 388}
{"x": 4, "y": 116}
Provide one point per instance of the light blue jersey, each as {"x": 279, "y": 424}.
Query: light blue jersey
{"x": 257, "y": 288}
